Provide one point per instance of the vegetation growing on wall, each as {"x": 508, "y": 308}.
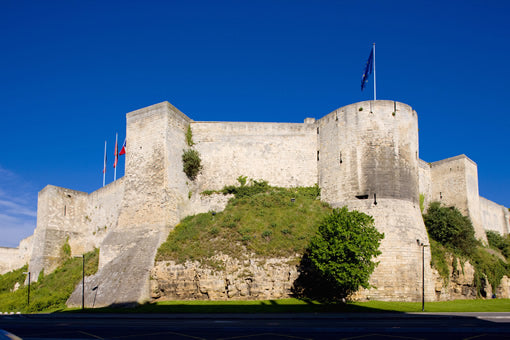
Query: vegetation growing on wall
{"x": 452, "y": 234}
{"x": 501, "y": 243}
{"x": 189, "y": 136}
{"x": 450, "y": 228}
{"x": 422, "y": 202}
{"x": 191, "y": 162}
{"x": 50, "y": 292}
{"x": 260, "y": 220}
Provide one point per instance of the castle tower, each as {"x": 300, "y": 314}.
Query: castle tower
{"x": 155, "y": 189}
{"x": 368, "y": 160}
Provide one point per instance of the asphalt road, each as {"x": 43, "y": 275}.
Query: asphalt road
{"x": 451, "y": 326}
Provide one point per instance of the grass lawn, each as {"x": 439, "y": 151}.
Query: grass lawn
{"x": 300, "y": 306}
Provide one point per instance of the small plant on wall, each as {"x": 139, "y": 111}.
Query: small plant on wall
{"x": 191, "y": 162}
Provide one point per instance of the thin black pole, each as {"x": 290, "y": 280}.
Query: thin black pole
{"x": 423, "y": 278}
{"x": 83, "y": 284}
{"x": 28, "y": 298}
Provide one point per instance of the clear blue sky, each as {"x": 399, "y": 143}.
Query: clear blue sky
{"x": 71, "y": 70}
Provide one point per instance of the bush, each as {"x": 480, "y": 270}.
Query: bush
{"x": 191, "y": 163}
{"x": 342, "y": 250}
{"x": 449, "y": 227}
{"x": 490, "y": 266}
{"x": 255, "y": 187}
{"x": 499, "y": 242}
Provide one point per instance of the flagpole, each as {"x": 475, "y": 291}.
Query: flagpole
{"x": 104, "y": 164}
{"x": 374, "y": 73}
{"x": 115, "y": 159}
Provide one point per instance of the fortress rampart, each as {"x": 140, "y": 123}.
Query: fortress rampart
{"x": 364, "y": 155}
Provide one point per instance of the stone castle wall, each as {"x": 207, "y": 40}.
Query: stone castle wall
{"x": 15, "y": 258}
{"x": 364, "y": 155}
{"x": 75, "y": 217}
{"x": 369, "y": 149}
{"x": 283, "y": 154}
{"x": 455, "y": 183}
{"x": 494, "y": 217}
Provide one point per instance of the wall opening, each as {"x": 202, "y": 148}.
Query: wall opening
{"x": 362, "y": 197}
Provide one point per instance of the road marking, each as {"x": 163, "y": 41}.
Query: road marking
{"x": 90, "y": 334}
{"x": 474, "y": 337}
{"x": 392, "y": 336}
{"x": 265, "y": 335}
{"x": 156, "y": 333}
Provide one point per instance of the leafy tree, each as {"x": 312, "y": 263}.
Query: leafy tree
{"x": 449, "y": 227}
{"x": 342, "y": 251}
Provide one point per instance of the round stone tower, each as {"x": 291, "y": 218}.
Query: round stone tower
{"x": 368, "y": 161}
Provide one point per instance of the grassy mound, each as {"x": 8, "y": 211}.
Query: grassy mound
{"x": 261, "y": 220}
{"x": 50, "y": 292}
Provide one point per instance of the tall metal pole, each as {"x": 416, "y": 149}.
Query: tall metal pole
{"x": 83, "y": 284}
{"x": 28, "y": 297}
{"x": 28, "y": 294}
{"x": 375, "y": 97}
{"x": 423, "y": 277}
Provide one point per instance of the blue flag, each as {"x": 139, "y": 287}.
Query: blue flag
{"x": 368, "y": 69}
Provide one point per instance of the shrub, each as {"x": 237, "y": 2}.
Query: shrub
{"x": 342, "y": 250}
{"x": 499, "y": 242}
{"x": 449, "y": 227}
{"x": 191, "y": 163}
{"x": 189, "y": 136}
{"x": 254, "y": 188}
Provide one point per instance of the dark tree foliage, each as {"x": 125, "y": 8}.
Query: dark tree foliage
{"x": 339, "y": 259}
{"x": 449, "y": 227}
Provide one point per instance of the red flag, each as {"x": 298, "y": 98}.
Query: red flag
{"x": 123, "y": 150}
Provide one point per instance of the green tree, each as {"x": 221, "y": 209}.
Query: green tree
{"x": 449, "y": 227}
{"x": 342, "y": 251}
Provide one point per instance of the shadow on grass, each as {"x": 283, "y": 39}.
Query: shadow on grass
{"x": 233, "y": 307}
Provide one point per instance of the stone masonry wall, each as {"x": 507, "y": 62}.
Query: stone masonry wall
{"x": 283, "y": 154}
{"x": 254, "y": 279}
{"x": 495, "y": 217}
{"x": 455, "y": 183}
{"x": 155, "y": 194}
{"x": 14, "y": 258}
{"x": 364, "y": 155}
{"x": 59, "y": 216}
{"x": 398, "y": 277}
{"x": 425, "y": 183}
{"x": 83, "y": 218}
{"x": 369, "y": 148}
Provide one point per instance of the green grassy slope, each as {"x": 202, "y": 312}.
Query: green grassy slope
{"x": 51, "y": 291}
{"x": 276, "y": 222}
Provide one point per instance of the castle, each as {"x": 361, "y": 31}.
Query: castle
{"x": 364, "y": 155}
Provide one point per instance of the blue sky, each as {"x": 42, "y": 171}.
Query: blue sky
{"x": 71, "y": 70}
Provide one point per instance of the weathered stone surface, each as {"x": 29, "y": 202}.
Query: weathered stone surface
{"x": 14, "y": 258}
{"x": 359, "y": 154}
{"x": 460, "y": 284}
{"x": 239, "y": 280}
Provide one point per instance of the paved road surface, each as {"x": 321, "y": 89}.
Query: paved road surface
{"x": 436, "y": 326}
